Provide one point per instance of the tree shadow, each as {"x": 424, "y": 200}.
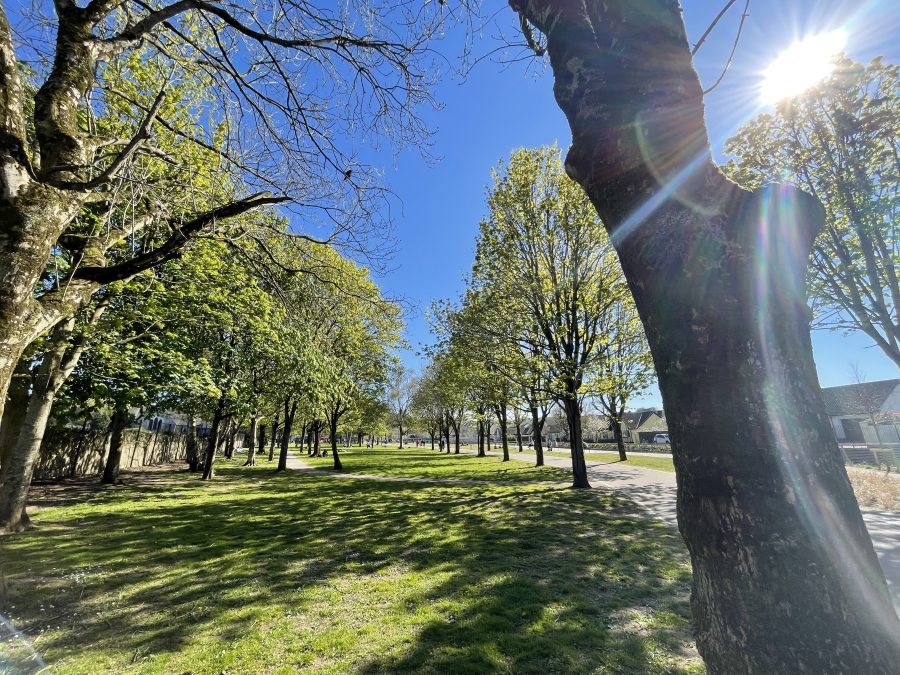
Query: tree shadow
{"x": 537, "y": 579}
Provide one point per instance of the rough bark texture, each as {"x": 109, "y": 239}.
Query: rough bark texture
{"x": 114, "y": 459}
{"x": 15, "y": 477}
{"x": 785, "y": 576}
{"x": 16, "y": 408}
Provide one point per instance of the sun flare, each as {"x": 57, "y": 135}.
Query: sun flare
{"x": 802, "y": 65}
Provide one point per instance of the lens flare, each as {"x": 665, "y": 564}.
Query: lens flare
{"x": 802, "y": 65}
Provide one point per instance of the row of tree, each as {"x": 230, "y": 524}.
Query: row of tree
{"x": 547, "y": 317}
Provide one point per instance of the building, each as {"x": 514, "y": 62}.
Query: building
{"x": 866, "y": 413}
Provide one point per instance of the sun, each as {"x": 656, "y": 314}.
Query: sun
{"x": 801, "y": 65}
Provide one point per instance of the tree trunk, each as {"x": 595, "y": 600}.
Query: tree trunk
{"x": 317, "y": 430}
{"x": 785, "y": 575}
{"x": 251, "y": 440}
{"x": 573, "y": 417}
{"x": 290, "y": 409}
{"x": 620, "y": 441}
{"x": 519, "y": 435}
{"x": 481, "y": 439}
{"x": 114, "y": 459}
{"x": 191, "y": 450}
{"x": 274, "y": 436}
{"x": 261, "y": 447}
{"x": 504, "y": 436}
{"x": 16, "y": 408}
{"x": 334, "y": 450}
{"x": 431, "y": 435}
{"x": 537, "y": 428}
{"x": 213, "y": 441}
{"x": 15, "y": 476}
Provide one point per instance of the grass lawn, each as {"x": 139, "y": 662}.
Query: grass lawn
{"x": 424, "y": 463}
{"x": 265, "y": 573}
{"x": 661, "y": 463}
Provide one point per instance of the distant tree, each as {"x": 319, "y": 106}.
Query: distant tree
{"x": 840, "y": 142}
{"x": 400, "y": 395}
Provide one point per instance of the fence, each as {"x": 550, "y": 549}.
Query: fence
{"x": 886, "y": 454}
{"x": 69, "y": 452}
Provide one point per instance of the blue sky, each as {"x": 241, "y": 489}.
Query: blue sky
{"x": 497, "y": 108}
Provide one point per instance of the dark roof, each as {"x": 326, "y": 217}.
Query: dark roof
{"x": 865, "y": 398}
{"x": 633, "y": 420}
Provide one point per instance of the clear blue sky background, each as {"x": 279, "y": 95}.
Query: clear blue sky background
{"x": 497, "y": 108}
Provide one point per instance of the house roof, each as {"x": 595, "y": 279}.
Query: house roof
{"x": 636, "y": 420}
{"x": 865, "y": 398}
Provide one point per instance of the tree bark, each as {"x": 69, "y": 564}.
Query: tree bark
{"x": 191, "y": 450}
{"x": 290, "y": 409}
{"x": 519, "y": 436}
{"x": 334, "y": 448}
{"x": 16, "y": 409}
{"x": 785, "y": 575}
{"x": 504, "y": 435}
{"x": 620, "y": 441}
{"x": 573, "y": 417}
{"x": 481, "y": 452}
{"x": 15, "y": 476}
{"x": 537, "y": 428}
{"x": 213, "y": 441}
{"x": 114, "y": 459}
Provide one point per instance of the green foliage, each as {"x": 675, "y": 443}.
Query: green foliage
{"x": 840, "y": 142}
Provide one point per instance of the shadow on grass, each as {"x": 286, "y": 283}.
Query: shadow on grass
{"x": 399, "y": 578}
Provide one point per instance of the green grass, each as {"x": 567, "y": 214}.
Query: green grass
{"x": 424, "y": 463}
{"x": 661, "y": 463}
{"x": 282, "y": 573}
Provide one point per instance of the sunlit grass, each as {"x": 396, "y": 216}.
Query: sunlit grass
{"x": 426, "y": 463}
{"x": 282, "y": 573}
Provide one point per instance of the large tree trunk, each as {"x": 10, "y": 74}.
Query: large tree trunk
{"x": 15, "y": 476}
{"x": 16, "y": 409}
{"x": 114, "y": 459}
{"x": 785, "y": 575}
{"x": 573, "y": 417}
{"x": 537, "y": 428}
{"x": 519, "y": 436}
{"x": 620, "y": 441}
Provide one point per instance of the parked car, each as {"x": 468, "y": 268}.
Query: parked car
{"x": 661, "y": 438}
